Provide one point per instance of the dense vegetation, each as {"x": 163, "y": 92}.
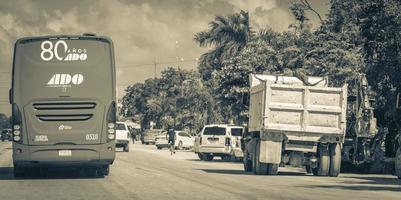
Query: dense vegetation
{"x": 358, "y": 36}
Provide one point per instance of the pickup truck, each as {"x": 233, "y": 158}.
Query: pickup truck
{"x": 149, "y": 136}
{"x": 122, "y": 136}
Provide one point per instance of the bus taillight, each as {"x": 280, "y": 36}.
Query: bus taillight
{"x": 111, "y": 120}
{"x": 17, "y": 119}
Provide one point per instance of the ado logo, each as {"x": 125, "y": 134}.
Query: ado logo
{"x": 61, "y": 52}
{"x": 65, "y": 80}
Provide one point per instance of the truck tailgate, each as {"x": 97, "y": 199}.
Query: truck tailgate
{"x": 302, "y": 113}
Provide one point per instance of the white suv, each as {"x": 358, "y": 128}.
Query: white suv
{"x": 219, "y": 140}
{"x": 122, "y": 136}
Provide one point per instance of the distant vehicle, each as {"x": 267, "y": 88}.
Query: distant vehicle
{"x": 219, "y": 140}
{"x": 183, "y": 140}
{"x": 295, "y": 122}
{"x": 64, "y": 115}
{"x": 5, "y": 134}
{"x": 149, "y": 136}
{"x": 122, "y": 136}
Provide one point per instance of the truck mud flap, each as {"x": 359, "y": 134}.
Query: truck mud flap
{"x": 270, "y": 152}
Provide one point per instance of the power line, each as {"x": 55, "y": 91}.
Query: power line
{"x": 152, "y": 64}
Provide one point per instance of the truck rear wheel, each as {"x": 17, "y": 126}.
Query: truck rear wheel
{"x": 260, "y": 168}
{"x": 272, "y": 169}
{"x": 247, "y": 162}
{"x": 308, "y": 169}
{"x": 398, "y": 163}
{"x": 335, "y": 159}
{"x": 247, "y": 165}
{"x": 324, "y": 162}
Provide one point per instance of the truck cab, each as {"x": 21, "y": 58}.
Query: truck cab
{"x": 221, "y": 140}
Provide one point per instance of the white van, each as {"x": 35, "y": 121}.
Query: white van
{"x": 219, "y": 140}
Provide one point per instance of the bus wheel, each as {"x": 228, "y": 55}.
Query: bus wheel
{"x": 398, "y": 163}
{"x": 335, "y": 159}
{"x": 19, "y": 172}
{"x": 91, "y": 172}
{"x": 324, "y": 162}
{"x": 104, "y": 171}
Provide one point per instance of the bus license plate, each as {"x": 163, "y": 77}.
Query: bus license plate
{"x": 64, "y": 153}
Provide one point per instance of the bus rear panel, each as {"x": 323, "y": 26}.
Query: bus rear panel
{"x": 63, "y": 102}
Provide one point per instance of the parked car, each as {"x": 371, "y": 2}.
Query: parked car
{"x": 222, "y": 140}
{"x": 5, "y": 134}
{"x": 122, "y": 136}
{"x": 183, "y": 140}
{"x": 149, "y": 136}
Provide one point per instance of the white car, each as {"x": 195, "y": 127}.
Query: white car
{"x": 222, "y": 140}
{"x": 122, "y": 136}
{"x": 183, "y": 140}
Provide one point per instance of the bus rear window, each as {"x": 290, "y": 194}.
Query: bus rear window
{"x": 214, "y": 131}
{"x": 236, "y": 131}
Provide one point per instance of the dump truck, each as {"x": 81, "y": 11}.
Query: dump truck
{"x": 297, "y": 122}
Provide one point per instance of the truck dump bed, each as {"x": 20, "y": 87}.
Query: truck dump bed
{"x": 302, "y": 113}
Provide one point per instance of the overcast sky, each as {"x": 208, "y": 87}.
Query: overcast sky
{"x": 142, "y": 30}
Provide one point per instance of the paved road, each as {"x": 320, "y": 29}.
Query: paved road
{"x": 147, "y": 173}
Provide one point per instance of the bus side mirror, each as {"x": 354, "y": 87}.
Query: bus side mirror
{"x": 10, "y": 96}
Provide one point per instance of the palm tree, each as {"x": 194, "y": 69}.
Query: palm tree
{"x": 227, "y": 35}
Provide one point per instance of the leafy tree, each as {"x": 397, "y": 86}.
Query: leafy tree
{"x": 5, "y": 122}
{"x": 178, "y": 98}
{"x": 300, "y": 52}
{"x": 227, "y": 35}
{"x": 380, "y": 28}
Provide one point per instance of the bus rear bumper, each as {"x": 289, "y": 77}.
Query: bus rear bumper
{"x": 64, "y": 155}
